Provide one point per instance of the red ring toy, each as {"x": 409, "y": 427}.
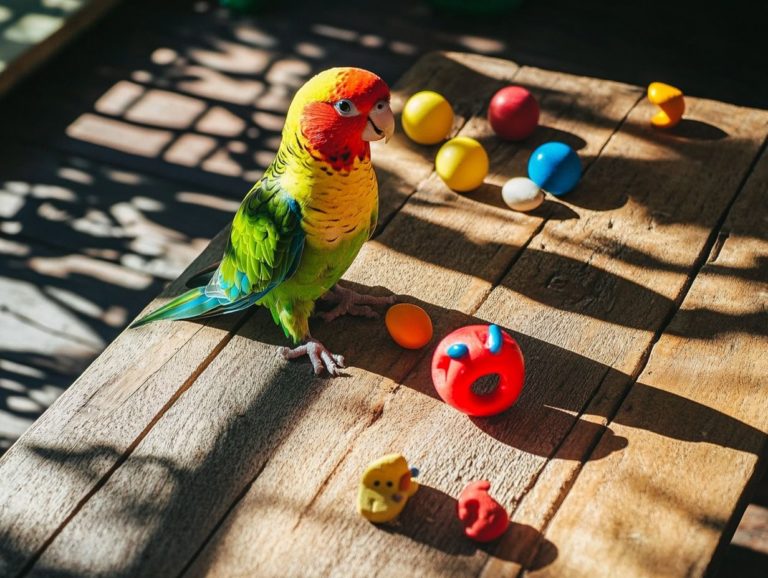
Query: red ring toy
{"x": 472, "y": 352}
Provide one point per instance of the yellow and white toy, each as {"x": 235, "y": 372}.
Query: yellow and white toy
{"x": 385, "y": 488}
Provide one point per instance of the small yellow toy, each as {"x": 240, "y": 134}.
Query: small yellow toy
{"x": 671, "y": 102}
{"x": 462, "y": 163}
{"x": 427, "y": 117}
{"x": 385, "y": 488}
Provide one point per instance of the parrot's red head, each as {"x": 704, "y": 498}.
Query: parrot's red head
{"x": 339, "y": 112}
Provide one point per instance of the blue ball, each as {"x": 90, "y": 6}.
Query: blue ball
{"x": 555, "y": 167}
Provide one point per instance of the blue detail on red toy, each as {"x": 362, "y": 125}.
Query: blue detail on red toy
{"x": 457, "y": 351}
{"x": 495, "y": 339}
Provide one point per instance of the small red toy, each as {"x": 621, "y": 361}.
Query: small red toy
{"x": 483, "y": 517}
{"x": 471, "y": 353}
{"x": 513, "y": 113}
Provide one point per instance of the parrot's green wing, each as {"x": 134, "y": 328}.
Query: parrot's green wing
{"x": 264, "y": 247}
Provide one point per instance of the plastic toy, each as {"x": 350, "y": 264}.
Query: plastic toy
{"x": 462, "y": 163}
{"x": 522, "y": 194}
{"x": 409, "y": 325}
{"x": 427, "y": 117}
{"x": 555, "y": 167}
{"x": 473, "y": 352}
{"x": 483, "y": 517}
{"x": 513, "y": 113}
{"x": 385, "y": 488}
{"x": 671, "y": 102}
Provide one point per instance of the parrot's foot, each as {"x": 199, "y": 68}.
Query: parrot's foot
{"x": 318, "y": 355}
{"x": 350, "y": 302}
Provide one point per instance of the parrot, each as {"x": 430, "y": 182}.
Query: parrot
{"x": 300, "y": 227}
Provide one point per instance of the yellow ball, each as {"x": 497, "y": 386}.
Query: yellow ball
{"x": 462, "y": 163}
{"x": 427, "y": 117}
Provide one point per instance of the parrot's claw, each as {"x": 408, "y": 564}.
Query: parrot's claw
{"x": 318, "y": 355}
{"x": 349, "y": 302}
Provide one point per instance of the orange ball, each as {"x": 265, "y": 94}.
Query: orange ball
{"x": 409, "y": 325}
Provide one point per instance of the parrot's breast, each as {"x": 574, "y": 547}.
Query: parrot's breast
{"x": 339, "y": 205}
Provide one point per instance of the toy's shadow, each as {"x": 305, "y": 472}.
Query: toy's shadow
{"x": 430, "y": 518}
{"x": 689, "y": 128}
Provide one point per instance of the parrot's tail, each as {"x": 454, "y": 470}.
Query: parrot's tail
{"x": 193, "y": 303}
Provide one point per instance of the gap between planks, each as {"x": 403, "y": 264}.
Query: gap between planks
{"x": 380, "y": 230}
{"x": 130, "y": 449}
{"x": 464, "y": 118}
{"x": 493, "y": 284}
{"x": 702, "y": 259}
{"x": 711, "y": 248}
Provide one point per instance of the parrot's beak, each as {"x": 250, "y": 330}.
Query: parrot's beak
{"x": 380, "y": 125}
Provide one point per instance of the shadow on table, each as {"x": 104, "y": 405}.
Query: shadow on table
{"x": 561, "y": 385}
{"x": 521, "y": 543}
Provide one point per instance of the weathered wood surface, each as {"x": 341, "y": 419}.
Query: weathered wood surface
{"x": 191, "y": 448}
{"x": 83, "y": 247}
{"x": 31, "y": 32}
{"x": 696, "y": 420}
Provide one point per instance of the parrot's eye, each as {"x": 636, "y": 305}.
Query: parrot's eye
{"x": 345, "y": 107}
{"x": 381, "y": 106}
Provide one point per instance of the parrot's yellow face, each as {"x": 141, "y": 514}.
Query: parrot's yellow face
{"x": 385, "y": 488}
{"x": 340, "y": 111}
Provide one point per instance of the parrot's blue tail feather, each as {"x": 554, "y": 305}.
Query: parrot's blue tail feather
{"x": 193, "y": 303}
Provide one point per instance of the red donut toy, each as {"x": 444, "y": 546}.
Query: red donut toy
{"x": 471, "y": 353}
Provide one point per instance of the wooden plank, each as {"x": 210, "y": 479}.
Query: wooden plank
{"x": 33, "y": 34}
{"x": 76, "y": 443}
{"x": 28, "y": 386}
{"x": 451, "y": 450}
{"x": 157, "y": 365}
{"x": 84, "y": 247}
{"x": 153, "y": 105}
{"x": 696, "y": 422}
{"x": 106, "y": 212}
{"x": 285, "y": 405}
{"x": 639, "y": 259}
{"x": 221, "y": 450}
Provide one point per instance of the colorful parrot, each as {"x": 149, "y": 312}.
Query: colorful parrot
{"x": 300, "y": 227}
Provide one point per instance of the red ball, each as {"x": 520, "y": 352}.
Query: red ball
{"x": 513, "y": 113}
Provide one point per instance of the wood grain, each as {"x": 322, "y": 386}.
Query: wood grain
{"x": 695, "y": 420}
{"x": 20, "y": 64}
{"x": 159, "y": 364}
{"x": 88, "y": 429}
{"x": 452, "y": 452}
{"x": 237, "y": 463}
{"x": 621, "y": 272}
{"x": 286, "y": 401}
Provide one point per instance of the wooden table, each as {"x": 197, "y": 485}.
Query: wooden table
{"x": 32, "y": 31}
{"x": 639, "y": 301}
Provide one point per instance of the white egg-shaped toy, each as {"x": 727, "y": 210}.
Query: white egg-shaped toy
{"x": 522, "y": 194}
